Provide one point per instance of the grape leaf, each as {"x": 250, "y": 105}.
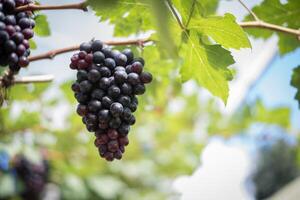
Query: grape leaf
{"x": 192, "y": 8}
{"x": 42, "y": 27}
{"x": 207, "y": 64}
{"x": 126, "y": 16}
{"x": 287, "y": 15}
{"x": 32, "y": 44}
{"x": 223, "y": 30}
{"x": 296, "y": 83}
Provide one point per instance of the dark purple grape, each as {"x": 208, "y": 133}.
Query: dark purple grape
{"x": 104, "y": 83}
{"x": 10, "y": 20}
{"x": 103, "y": 116}
{"x": 112, "y": 134}
{"x": 9, "y": 46}
{"x": 94, "y": 106}
{"x": 139, "y": 59}
{"x": 23, "y": 61}
{"x": 133, "y": 79}
{"x": 120, "y": 68}
{"x": 113, "y": 146}
{"x": 97, "y": 45}
{"x": 24, "y": 23}
{"x": 114, "y": 91}
{"x": 121, "y": 59}
{"x": 120, "y": 76}
{"x": 146, "y": 77}
{"x": 75, "y": 87}
{"x": 124, "y": 129}
{"x": 98, "y": 57}
{"x": 115, "y": 123}
{"x": 94, "y": 75}
{"x": 106, "y": 102}
{"x": 105, "y": 72}
{"x": 82, "y": 98}
{"x": 82, "y": 75}
{"x": 110, "y": 63}
{"x": 139, "y": 89}
{"x": 21, "y": 49}
{"x": 18, "y": 38}
{"x": 82, "y": 110}
{"x": 137, "y": 67}
{"x": 3, "y": 37}
{"x": 86, "y": 46}
{"x": 85, "y": 86}
{"x": 128, "y": 53}
{"x": 9, "y": 6}
{"x": 126, "y": 89}
{"x": 124, "y": 100}
{"x": 116, "y": 109}
{"x": 13, "y": 59}
{"x": 28, "y": 33}
{"x": 98, "y": 94}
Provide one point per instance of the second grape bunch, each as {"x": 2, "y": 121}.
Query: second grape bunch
{"x": 106, "y": 88}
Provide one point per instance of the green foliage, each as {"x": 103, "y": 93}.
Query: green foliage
{"x": 42, "y": 28}
{"x": 159, "y": 149}
{"x": 277, "y": 166}
{"x": 273, "y": 11}
{"x": 199, "y": 60}
{"x": 203, "y": 63}
{"x": 245, "y": 117}
{"x": 223, "y": 30}
{"x": 295, "y": 82}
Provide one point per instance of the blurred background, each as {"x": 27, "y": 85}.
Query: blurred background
{"x": 186, "y": 144}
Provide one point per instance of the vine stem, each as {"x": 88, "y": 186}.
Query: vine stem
{"x": 175, "y": 15}
{"x": 51, "y": 54}
{"x": 34, "y": 7}
{"x": 33, "y": 79}
{"x": 249, "y": 10}
{"x": 265, "y": 25}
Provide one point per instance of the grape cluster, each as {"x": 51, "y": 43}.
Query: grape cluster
{"x": 106, "y": 88}
{"x": 16, "y": 28}
{"x": 33, "y": 176}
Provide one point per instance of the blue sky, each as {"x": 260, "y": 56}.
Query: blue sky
{"x": 274, "y": 86}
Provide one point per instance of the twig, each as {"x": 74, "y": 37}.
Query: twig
{"x": 175, "y": 14}
{"x": 249, "y": 10}
{"x": 33, "y": 7}
{"x": 53, "y": 53}
{"x": 33, "y": 79}
{"x": 191, "y": 13}
{"x": 265, "y": 25}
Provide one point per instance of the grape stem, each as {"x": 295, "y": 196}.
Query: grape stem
{"x": 265, "y": 25}
{"x": 33, "y": 79}
{"x": 34, "y": 7}
{"x": 258, "y": 23}
{"x": 51, "y": 54}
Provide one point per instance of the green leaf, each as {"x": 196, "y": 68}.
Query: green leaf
{"x": 193, "y": 8}
{"x": 280, "y": 115}
{"x": 207, "y": 64}
{"x": 32, "y": 44}
{"x": 287, "y": 43}
{"x": 126, "y": 16}
{"x": 275, "y": 12}
{"x": 223, "y": 30}
{"x": 296, "y": 83}
{"x": 42, "y": 27}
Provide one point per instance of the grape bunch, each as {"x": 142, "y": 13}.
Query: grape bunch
{"x": 16, "y": 28}
{"x": 106, "y": 88}
{"x": 33, "y": 176}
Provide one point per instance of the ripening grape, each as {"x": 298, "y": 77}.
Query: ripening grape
{"x": 106, "y": 88}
